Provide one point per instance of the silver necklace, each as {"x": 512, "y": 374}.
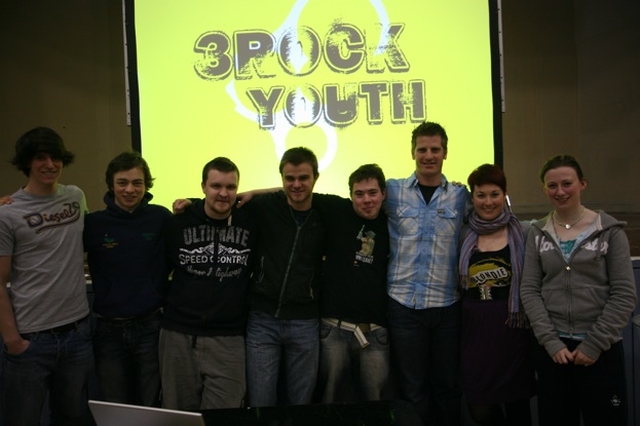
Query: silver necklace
{"x": 567, "y": 225}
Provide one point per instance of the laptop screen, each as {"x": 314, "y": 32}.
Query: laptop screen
{"x": 114, "y": 414}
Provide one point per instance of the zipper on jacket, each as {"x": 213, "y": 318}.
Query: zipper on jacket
{"x": 567, "y": 269}
{"x": 293, "y": 251}
{"x": 589, "y": 238}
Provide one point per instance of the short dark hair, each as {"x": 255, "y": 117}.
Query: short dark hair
{"x": 561, "y": 161}
{"x": 368, "y": 171}
{"x": 299, "y": 155}
{"x": 126, "y": 161}
{"x": 40, "y": 140}
{"x": 487, "y": 174}
{"x": 222, "y": 164}
{"x": 429, "y": 128}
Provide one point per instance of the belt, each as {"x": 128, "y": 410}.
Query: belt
{"x": 128, "y": 319}
{"x": 358, "y": 329}
{"x": 63, "y": 328}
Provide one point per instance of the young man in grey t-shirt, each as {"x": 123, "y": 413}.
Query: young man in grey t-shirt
{"x": 44, "y": 311}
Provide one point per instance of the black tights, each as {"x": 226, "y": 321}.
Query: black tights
{"x": 515, "y": 413}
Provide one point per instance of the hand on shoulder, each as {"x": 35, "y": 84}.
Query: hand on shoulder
{"x": 180, "y": 205}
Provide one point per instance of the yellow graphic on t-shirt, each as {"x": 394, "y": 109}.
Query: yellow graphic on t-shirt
{"x": 489, "y": 273}
{"x": 365, "y": 254}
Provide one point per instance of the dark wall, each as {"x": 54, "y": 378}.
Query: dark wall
{"x": 62, "y": 66}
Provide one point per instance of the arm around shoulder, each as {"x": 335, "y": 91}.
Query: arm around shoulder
{"x": 245, "y": 197}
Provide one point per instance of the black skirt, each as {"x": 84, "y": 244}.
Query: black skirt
{"x": 497, "y": 365}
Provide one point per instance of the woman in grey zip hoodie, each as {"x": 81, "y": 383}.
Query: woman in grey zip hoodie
{"x": 579, "y": 293}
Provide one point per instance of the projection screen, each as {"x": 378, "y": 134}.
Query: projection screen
{"x": 248, "y": 79}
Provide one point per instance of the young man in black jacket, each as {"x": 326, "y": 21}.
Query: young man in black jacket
{"x": 282, "y": 329}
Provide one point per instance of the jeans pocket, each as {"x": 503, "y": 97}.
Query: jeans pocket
{"x": 83, "y": 327}
{"x": 6, "y": 352}
{"x": 151, "y": 325}
{"x": 382, "y": 336}
{"x": 325, "y": 330}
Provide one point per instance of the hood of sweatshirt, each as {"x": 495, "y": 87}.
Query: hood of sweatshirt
{"x": 110, "y": 201}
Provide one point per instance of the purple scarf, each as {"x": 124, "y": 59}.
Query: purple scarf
{"x": 516, "y": 239}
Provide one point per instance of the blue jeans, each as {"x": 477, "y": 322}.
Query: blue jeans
{"x": 271, "y": 340}
{"x": 60, "y": 363}
{"x": 126, "y": 354}
{"x": 347, "y": 369}
{"x": 425, "y": 350}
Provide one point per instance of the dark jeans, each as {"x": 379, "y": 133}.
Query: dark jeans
{"x": 599, "y": 391}
{"x": 127, "y": 365}
{"x": 59, "y": 363}
{"x": 425, "y": 349}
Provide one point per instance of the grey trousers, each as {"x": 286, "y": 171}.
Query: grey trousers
{"x": 201, "y": 372}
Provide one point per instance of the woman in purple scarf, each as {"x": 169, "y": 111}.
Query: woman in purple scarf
{"x": 497, "y": 372}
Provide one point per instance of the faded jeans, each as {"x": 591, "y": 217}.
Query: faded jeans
{"x": 347, "y": 370}
{"x": 271, "y": 340}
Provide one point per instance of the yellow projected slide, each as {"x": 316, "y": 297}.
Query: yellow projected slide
{"x": 349, "y": 79}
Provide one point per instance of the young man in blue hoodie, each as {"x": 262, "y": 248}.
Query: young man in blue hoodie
{"x": 126, "y": 258}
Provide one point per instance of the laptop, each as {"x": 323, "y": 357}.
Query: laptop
{"x": 114, "y": 414}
